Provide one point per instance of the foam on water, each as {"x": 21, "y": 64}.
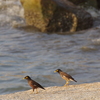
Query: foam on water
{"x": 94, "y": 12}
{"x": 11, "y": 12}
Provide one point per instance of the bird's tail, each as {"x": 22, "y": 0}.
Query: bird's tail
{"x": 42, "y": 87}
{"x": 74, "y": 80}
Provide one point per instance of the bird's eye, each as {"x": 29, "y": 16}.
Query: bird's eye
{"x": 26, "y": 77}
{"x": 57, "y": 70}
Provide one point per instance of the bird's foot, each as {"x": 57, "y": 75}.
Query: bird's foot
{"x": 65, "y": 85}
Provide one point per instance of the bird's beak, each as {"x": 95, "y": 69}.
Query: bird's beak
{"x": 55, "y": 71}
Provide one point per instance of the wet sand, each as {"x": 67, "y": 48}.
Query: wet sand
{"x": 89, "y": 91}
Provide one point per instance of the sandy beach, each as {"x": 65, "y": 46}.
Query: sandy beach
{"x": 89, "y": 91}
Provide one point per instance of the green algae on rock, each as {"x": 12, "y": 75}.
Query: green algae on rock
{"x": 55, "y": 16}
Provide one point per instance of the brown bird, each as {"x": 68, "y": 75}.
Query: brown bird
{"x": 65, "y": 76}
{"x": 33, "y": 84}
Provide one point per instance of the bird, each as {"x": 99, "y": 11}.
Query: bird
{"x": 65, "y": 76}
{"x": 33, "y": 83}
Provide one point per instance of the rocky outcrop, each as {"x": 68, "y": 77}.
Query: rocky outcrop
{"x": 56, "y": 16}
{"x": 89, "y": 91}
{"x": 98, "y": 4}
{"x": 78, "y": 2}
{"x": 87, "y": 3}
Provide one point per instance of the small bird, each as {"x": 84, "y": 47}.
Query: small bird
{"x": 65, "y": 76}
{"x": 33, "y": 84}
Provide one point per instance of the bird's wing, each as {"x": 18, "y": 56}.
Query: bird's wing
{"x": 68, "y": 76}
{"x": 38, "y": 85}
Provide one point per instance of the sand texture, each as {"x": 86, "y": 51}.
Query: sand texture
{"x": 89, "y": 91}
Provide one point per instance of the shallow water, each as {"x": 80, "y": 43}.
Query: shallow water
{"x": 39, "y": 54}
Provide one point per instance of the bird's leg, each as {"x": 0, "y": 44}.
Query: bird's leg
{"x": 32, "y": 91}
{"x": 67, "y": 82}
{"x": 36, "y": 91}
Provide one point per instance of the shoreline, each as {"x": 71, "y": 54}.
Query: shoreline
{"x": 87, "y": 91}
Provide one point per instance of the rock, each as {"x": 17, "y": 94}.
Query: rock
{"x": 90, "y": 91}
{"x": 77, "y": 2}
{"x": 91, "y": 3}
{"x": 98, "y": 4}
{"x": 56, "y": 16}
{"x": 87, "y": 3}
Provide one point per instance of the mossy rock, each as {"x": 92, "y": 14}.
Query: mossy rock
{"x": 54, "y": 16}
